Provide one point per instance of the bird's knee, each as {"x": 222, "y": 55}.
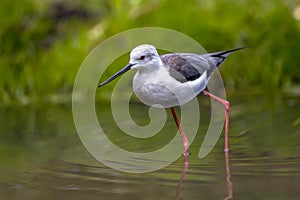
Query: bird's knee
{"x": 227, "y": 105}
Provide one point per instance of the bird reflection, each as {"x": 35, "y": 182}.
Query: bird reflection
{"x": 228, "y": 177}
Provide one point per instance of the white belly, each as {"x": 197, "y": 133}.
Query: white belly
{"x": 156, "y": 95}
{"x": 159, "y": 89}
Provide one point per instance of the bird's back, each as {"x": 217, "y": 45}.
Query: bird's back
{"x": 188, "y": 67}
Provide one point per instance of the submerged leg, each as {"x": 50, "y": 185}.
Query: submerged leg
{"x": 228, "y": 177}
{"x": 183, "y": 176}
{"x": 184, "y": 139}
{"x": 227, "y": 109}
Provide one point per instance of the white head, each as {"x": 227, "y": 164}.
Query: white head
{"x": 142, "y": 58}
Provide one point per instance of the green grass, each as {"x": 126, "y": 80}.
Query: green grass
{"x": 42, "y": 45}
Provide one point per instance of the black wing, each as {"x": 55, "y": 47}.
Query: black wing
{"x": 185, "y": 67}
{"x": 188, "y": 67}
{"x": 219, "y": 57}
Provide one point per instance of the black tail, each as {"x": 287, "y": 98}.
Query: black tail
{"x": 219, "y": 57}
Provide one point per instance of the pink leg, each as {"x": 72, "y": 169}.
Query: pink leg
{"x": 227, "y": 109}
{"x": 228, "y": 177}
{"x": 184, "y": 139}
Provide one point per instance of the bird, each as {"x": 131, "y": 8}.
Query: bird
{"x": 173, "y": 79}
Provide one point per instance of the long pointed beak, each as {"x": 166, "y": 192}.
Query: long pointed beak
{"x": 122, "y": 71}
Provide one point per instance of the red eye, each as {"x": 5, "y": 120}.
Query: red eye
{"x": 142, "y": 58}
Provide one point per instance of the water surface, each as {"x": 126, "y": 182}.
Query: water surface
{"x": 42, "y": 157}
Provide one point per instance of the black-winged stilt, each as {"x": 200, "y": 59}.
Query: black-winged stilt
{"x": 173, "y": 79}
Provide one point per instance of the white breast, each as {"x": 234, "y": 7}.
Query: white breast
{"x": 158, "y": 88}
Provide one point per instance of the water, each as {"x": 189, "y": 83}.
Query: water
{"x": 42, "y": 157}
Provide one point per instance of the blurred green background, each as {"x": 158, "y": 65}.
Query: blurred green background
{"x": 43, "y": 43}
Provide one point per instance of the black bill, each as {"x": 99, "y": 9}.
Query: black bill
{"x": 122, "y": 71}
